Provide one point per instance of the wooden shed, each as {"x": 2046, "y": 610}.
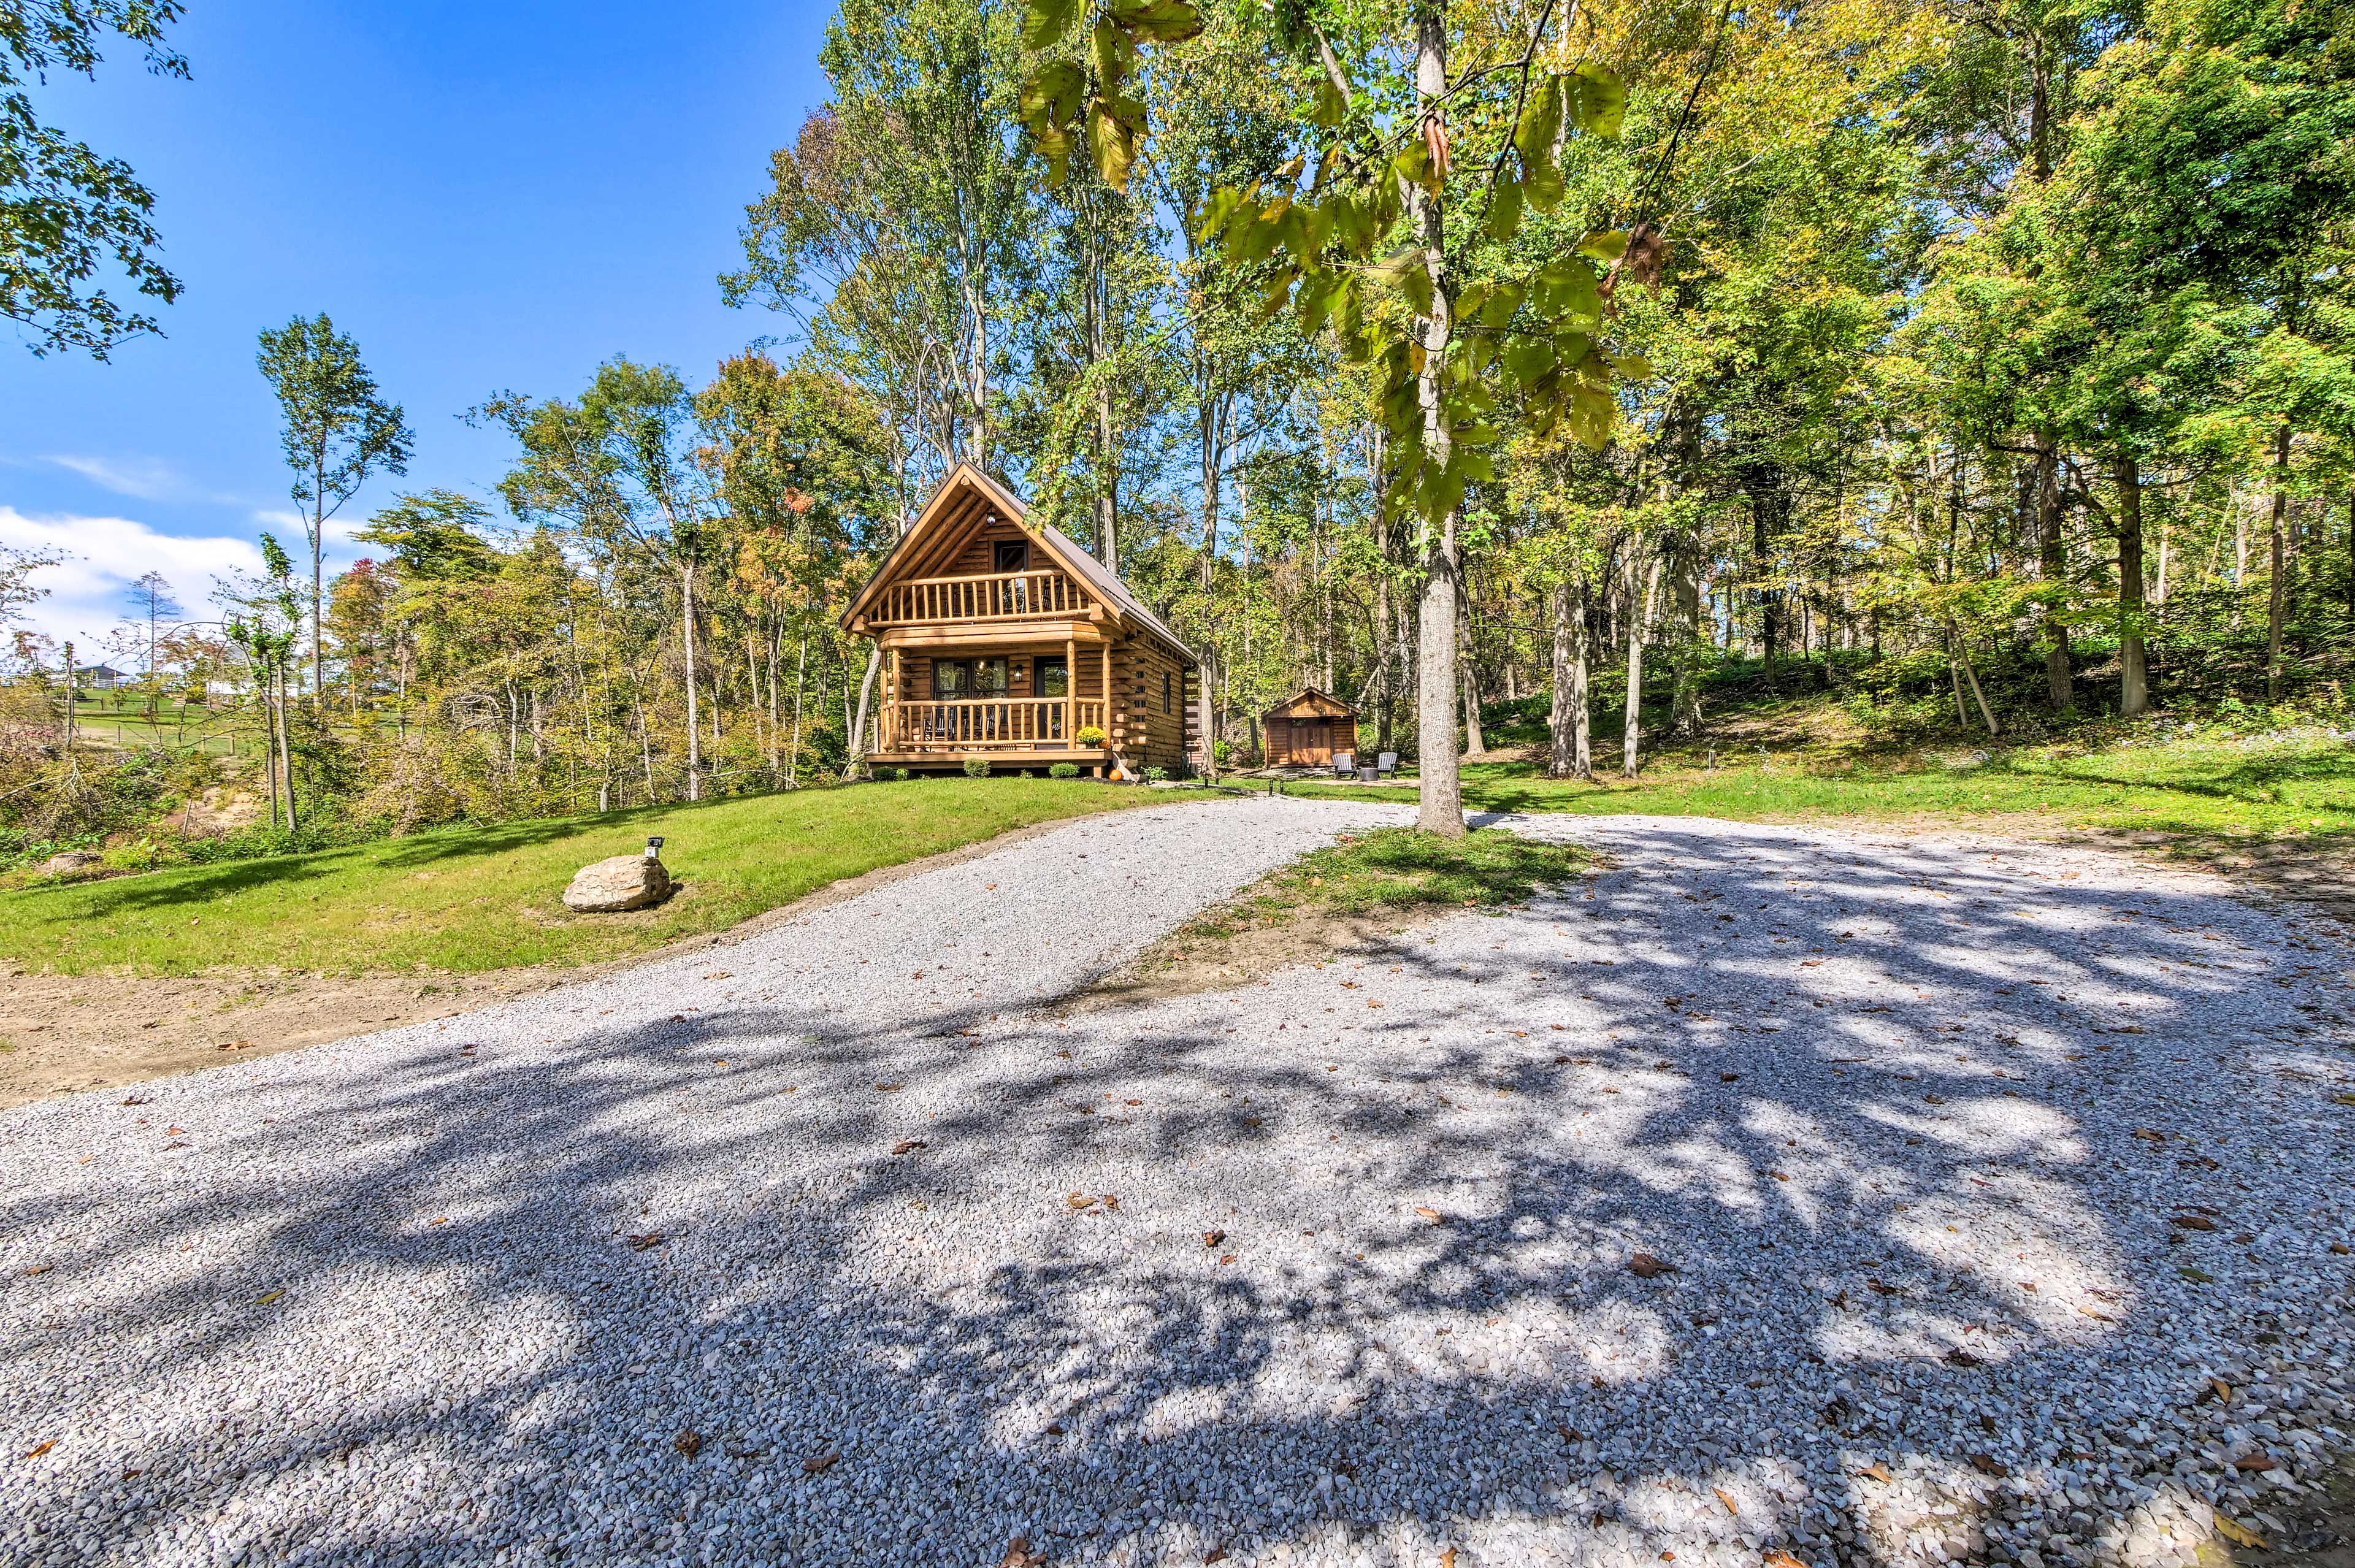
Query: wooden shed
{"x": 1305, "y": 728}
{"x": 1003, "y": 639}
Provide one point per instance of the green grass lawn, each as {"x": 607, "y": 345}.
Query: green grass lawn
{"x": 474, "y": 898}
{"x": 2185, "y": 788}
{"x": 1396, "y": 871}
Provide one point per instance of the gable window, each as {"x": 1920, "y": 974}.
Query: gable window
{"x": 1013, "y": 555}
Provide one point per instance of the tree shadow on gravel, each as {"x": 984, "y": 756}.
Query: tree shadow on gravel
{"x": 1348, "y": 1261}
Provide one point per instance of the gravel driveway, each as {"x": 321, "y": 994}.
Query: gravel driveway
{"x": 2002, "y": 1196}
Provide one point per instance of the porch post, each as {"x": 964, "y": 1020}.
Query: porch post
{"x": 1107, "y": 697}
{"x": 1070, "y": 690}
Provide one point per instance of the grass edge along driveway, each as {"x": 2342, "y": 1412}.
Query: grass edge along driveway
{"x": 476, "y": 897}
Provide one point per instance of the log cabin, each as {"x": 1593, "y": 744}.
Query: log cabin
{"x": 1001, "y": 638}
{"x": 1307, "y": 727}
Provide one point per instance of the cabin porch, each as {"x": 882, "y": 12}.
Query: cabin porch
{"x": 1022, "y": 702}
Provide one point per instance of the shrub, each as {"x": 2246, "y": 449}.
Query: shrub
{"x": 1063, "y": 770}
{"x": 1089, "y": 735}
{"x": 1156, "y": 775}
{"x": 976, "y": 767}
{"x": 897, "y": 775}
{"x": 1222, "y": 752}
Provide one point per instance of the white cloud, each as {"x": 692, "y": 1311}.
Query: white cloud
{"x": 142, "y": 479}
{"x": 105, "y": 554}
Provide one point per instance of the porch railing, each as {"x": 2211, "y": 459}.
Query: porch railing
{"x": 1004, "y": 597}
{"x": 983, "y": 723}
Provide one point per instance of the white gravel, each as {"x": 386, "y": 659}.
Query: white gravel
{"x": 378, "y": 1302}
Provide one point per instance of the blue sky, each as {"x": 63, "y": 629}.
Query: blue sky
{"x": 486, "y": 197}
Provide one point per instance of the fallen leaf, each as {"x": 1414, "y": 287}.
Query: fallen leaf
{"x": 1730, "y": 1507}
{"x": 173, "y": 1132}
{"x": 2222, "y": 1389}
{"x": 1569, "y": 1434}
{"x": 2197, "y": 1275}
{"x": 1729, "y": 1078}
{"x": 1643, "y": 1266}
{"x": 1933, "y": 1099}
{"x": 1989, "y": 1464}
{"x": 267, "y": 1297}
{"x": 2096, "y": 1316}
{"x": 650, "y": 1239}
{"x": 907, "y": 1146}
{"x": 1017, "y": 1550}
{"x": 1778, "y": 1558}
{"x": 1878, "y": 1288}
{"x": 1078, "y": 1201}
{"x": 2343, "y": 1099}
{"x": 2256, "y": 1464}
{"x": 1958, "y": 1357}
{"x": 40, "y": 1448}
{"x": 136, "y": 1099}
{"x": 1447, "y": 1558}
{"x": 1225, "y": 1258}
{"x": 1219, "y": 1553}
{"x": 1054, "y": 1429}
{"x": 2193, "y": 1221}
{"x": 1878, "y": 1471}
{"x": 888, "y": 1088}
{"x": 1212, "y": 1238}
{"x": 2150, "y": 1135}
{"x": 1430, "y": 1214}
{"x": 821, "y": 1461}
{"x": 2238, "y": 1534}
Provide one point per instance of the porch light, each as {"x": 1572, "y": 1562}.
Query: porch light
{"x": 654, "y": 848}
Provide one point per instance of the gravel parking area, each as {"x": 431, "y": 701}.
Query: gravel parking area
{"x": 1847, "y": 1194}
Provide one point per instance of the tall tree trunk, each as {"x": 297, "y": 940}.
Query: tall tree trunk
{"x": 318, "y": 543}
{"x": 2134, "y": 671}
{"x": 687, "y": 645}
{"x": 2278, "y": 594}
{"x": 1639, "y": 614}
{"x": 1441, "y": 806}
{"x": 286, "y": 757}
{"x": 2061, "y": 688}
{"x": 1569, "y": 755}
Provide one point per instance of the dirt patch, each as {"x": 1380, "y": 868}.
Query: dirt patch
{"x": 1191, "y": 961}
{"x": 63, "y": 1034}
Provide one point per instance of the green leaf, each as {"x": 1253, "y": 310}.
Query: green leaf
{"x": 1056, "y": 146}
{"x": 1330, "y": 108}
{"x": 1505, "y": 208}
{"x": 1159, "y": 21}
{"x": 1052, "y": 96}
{"x": 1217, "y": 212}
{"x": 1604, "y": 245}
{"x": 1592, "y": 413}
{"x": 1046, "y": 22}
{"x": 1544, "y": 187}
{"x": 1115, "y": 127}
{"x": 1114, "y": 54}
{"x": 1602, "y": 105}
{"x": 1528, "y": 358}
{"x": 1566, "y": 288}
{"x": 1541, "y": 124}
{"x": 1634, "y": 367}
{"x": 1502, "y": 302}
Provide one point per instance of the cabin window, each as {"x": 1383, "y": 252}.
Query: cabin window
{"x": 1013, "y": 555}
{"x": 956, "y": 678}
{"x": 1054, "y": 678}
{"x": 1165, "y": 693}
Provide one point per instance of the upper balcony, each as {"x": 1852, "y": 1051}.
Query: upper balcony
{"x": 1003, "y": 596}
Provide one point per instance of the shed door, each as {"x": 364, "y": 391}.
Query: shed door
{"x": 1312, "y": 740}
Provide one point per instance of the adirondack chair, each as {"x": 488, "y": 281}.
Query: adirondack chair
{"x": 1344, "y": 764}
{"x": 1386, "y": 764}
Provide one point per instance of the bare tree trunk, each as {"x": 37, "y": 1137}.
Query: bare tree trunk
{"x": 1441, "y": 806}
{"x": 1570, "y": 754}
{"x": 286, "y": 757}
{"x": 687, "y": 645}
{"x": 2134, "y": 670}
{"x": 2059, "y": 686}
{"x": 1639, "y": 617}
{"x": 2277, "y": 595}
{"x": 1474, "y": 742}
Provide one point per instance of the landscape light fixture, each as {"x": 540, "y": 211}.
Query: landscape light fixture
{"x": 654, "y": 848}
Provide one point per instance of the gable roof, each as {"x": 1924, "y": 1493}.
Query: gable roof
{"x": 943, "y": 510}
{"x": 1309, "y": 700}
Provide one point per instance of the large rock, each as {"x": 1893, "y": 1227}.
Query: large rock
{"x": 625, "y": 881}
{"x": 70, "y": 860}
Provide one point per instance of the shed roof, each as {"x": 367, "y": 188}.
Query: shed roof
{"x": 1310, "y": 703}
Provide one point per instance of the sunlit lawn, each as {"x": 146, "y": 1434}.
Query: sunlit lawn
{"x": 474, "y": 898}
{"x": 2298, "y": 787}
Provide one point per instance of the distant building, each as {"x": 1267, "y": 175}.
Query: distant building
{"x": 100, "y": 677}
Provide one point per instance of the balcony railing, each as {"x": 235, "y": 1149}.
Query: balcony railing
{"x": 989, "y": 722}
{"x": 1004, "y": 597}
